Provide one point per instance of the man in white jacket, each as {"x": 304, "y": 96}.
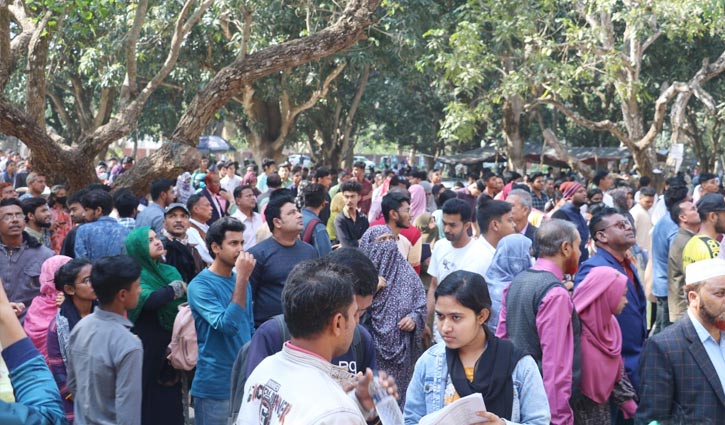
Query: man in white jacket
{"x": 299, "y": 385}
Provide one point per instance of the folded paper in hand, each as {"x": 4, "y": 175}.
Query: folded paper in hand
{"x": 460, "y": 412}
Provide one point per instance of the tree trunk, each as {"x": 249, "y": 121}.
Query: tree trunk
{"x": 512, "y": 110}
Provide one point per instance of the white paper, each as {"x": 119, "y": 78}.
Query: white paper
{"x": 460, "y": 412}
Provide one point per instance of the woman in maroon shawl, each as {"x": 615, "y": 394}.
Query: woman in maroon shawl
{"x": 398, "y": 311}
{"x": 601, "y": 295}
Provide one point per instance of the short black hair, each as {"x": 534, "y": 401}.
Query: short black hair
{"x": 218, "y": 231}
{"x": 599, "y": 176}
{"x": 647, "y": 191}
{"x": 644, "y": 181}
{"x": 160, "y": 186}
{"x": 458, "y": 206}
{"x": 359, "y": 164}
{"x": 98, "y": 199}
{"x": 126, "y": 202}
{"x": 597, "y": 218}
{"x": 193, "y": 200}
{"x": 68, "y": 272}
{"x": 365, "y": 281}
{"x": 11, "y": 201}
{"x": 274, "y": 181}
{"x": 468, "y": 288}
{"x": 392, "y": 201}
{"x": 674, "y": 194}
{"x": 489, "y": 210}
{"x": 237, "y": 191}
{"x": 76, "y": 197}
{"x": 350, "y": 186}
{"x": 444, "y": 195}
{"x": 112, "y": 274}
{"x": 266, "y": 162}
{"x": 314, "y": 195}
{"x": 321, "y": 172}
{"x": 676, "y": 210}
{"x": 315, "y": 291}
{"x": 30, "y": 205}
{"x": 274, "y": 206}
{"x": 535, "y": 176}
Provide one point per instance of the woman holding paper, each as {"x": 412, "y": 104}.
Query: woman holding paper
{"x": 473, "y": 360}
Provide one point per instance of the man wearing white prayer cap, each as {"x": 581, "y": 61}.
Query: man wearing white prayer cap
{"x": 682, "y": 369}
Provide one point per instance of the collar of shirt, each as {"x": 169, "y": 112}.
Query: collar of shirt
{"x": 169, "y": 236}
{"x": 702, "y": 333}
{"x": 199, "y": 224}
{"x": 547, "y": 265}
{"x": 299, "y": 355}
{"x": 112, "y": 317}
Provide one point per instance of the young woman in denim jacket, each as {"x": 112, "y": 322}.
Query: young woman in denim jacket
{"x": 473, "y": 360}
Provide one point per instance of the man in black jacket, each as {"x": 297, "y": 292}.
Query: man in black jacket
{"x": 180, "y": 253}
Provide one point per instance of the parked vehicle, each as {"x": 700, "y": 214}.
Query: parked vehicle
{"x": 369, "y": 165}
{"x": 303, "y": 160}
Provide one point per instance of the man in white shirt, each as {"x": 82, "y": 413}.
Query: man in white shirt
{"x": 321, "y": 313}
{"x": 642, "y": 218}
{"x": 459, "y": 251}
{"x": 200, "y": 210}
{"x": 495, "y": 220}
{"x": 246, "y": 201}
{"x": 231, "y": 181}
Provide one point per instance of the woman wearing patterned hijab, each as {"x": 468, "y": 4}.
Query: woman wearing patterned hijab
{"x": 398, "y": 311}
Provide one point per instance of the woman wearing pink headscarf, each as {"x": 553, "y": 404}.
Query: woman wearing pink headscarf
{"x": 44, "y": 307}
{"x": 418, "y": 201}
{"x": 601, "y": 295}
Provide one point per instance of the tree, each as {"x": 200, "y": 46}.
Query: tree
{"x": 608, "y": 42}
{"x": 72, "y": 158}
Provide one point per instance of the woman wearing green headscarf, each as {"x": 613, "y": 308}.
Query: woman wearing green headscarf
{"x": 162, "y": 291}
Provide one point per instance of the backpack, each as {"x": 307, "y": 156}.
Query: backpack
{"x": 183, "y": 349}
{"x": 307, "y": 234}
{"x": 239, "y": 370}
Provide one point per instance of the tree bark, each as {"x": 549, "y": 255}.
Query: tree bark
{"x": 512, "y": 110}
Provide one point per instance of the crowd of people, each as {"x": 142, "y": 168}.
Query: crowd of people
{"x": 559, "y": 299}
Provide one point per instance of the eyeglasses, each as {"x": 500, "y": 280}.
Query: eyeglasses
{"x": 10, "y": 217}
{"x": 621, "y": 225}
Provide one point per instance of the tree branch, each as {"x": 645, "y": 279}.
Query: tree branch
{"x": 125, "y": 120}
{"x": 289, "y": 114}
{"x": 347, "y": 145}
{"x": 563, "y": 155}
{"x": 35, "y": 88}
{"x": 348, "y": 30}
{"x": 128, "y": 90}
{"x": 5, "y": 50}
{"x": 659, "y": 116}
{"x": 605, "y": 125}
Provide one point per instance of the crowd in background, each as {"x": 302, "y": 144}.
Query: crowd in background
{"x": 560, "y": 299}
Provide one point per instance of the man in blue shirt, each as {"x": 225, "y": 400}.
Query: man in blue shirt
{"x": 663, "y": 233}
{"x": 221, "y": 305}
{"x": 101, "y": 235}
{"x": 315, "y": 231}
{"x": 162, "y": 195}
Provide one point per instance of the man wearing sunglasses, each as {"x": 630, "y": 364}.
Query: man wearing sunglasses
{"x": 614, "y": 235}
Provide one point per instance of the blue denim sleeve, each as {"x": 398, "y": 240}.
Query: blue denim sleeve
{"x": 322, "y": 240}
{"x": 38, "y": 399}
{"x": 533, "y": 403}
{"x": 415, "y": 405}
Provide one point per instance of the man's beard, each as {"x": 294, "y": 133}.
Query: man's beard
{"x": 42, "y": 224}
{"x": 571, "y": 266}
{"x": 717, "y": 320}
{"x": 400, "y": 224}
